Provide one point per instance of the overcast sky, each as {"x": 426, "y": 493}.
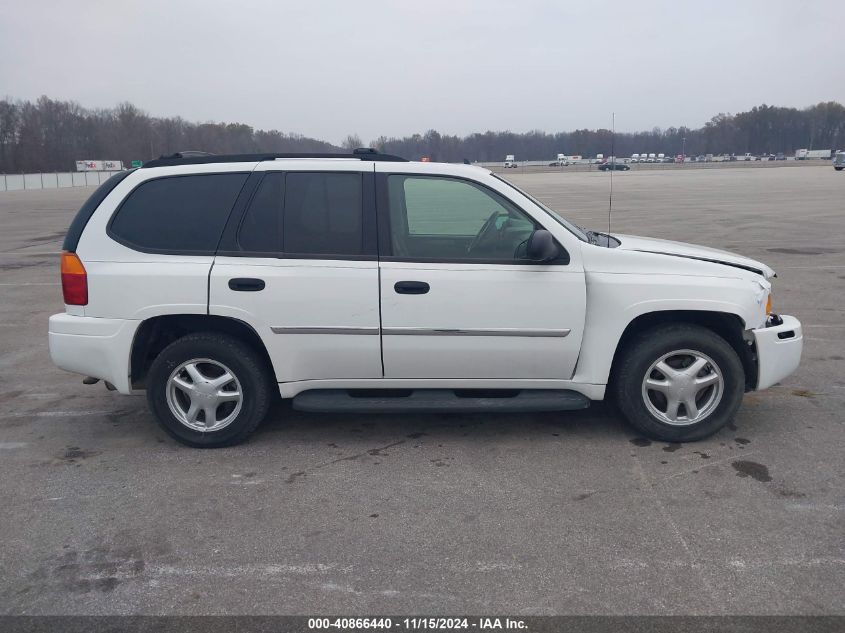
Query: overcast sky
{"x": 327, "y": 69}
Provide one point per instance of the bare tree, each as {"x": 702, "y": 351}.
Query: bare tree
{"x": 352, "y": 141}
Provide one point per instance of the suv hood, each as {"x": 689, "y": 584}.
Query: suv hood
{"x": 692, "y": 251}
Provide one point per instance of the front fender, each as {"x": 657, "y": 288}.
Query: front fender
{"x": 614, "y": 300}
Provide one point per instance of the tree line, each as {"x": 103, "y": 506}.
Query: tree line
{"x": 761, "y": 130}
{"x": 50, "y": 135}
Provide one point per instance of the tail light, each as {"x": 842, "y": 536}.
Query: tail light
{"x": 74, "y": 280}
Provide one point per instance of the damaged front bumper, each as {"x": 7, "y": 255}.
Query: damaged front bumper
{"x": 779, "y": 345}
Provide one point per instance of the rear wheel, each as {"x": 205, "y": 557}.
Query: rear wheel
{"x": 678, "y": 382}
{"x": 209, "y": 390}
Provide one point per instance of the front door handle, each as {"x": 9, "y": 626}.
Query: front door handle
{"x": 246, "y": 284}
{"x": 411, "y": 287}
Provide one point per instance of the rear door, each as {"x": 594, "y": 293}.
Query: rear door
{"x": 298, "y": 262}
{"x": 458, "y": 298}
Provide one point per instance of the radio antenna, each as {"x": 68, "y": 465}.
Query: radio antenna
{"x": 612, "y": 169}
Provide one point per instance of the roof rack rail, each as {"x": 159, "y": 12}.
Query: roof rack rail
{"x": 196, "y": 158}
{"x": 191, "y": 153}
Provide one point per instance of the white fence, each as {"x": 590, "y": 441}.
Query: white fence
{"x": 53, "y": 180}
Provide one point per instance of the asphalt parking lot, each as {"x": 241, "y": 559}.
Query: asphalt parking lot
{"x": 366, "y": 514}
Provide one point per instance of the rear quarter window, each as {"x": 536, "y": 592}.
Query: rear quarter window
{"x": 80, "y": 220}
{"x": 177, "y": 214}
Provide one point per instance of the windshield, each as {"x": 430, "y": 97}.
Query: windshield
{"x": 577, "y": 231}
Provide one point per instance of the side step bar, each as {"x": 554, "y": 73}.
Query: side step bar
{"x": 438, "y": 400}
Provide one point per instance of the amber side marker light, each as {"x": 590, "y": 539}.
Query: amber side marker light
{"x": 74, "y": 280}
{"x": 769, "y": 304}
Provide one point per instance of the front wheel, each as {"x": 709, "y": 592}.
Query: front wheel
{"x": 209, "y": 390}
{"x": 678, "y": 382}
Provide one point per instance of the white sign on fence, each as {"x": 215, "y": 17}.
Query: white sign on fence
{"x": 99, "y": 165}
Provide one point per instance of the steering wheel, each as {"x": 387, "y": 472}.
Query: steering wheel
{"x": 488, "y": 226}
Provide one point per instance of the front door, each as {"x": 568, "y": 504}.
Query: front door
{"x": 458, "y": 297}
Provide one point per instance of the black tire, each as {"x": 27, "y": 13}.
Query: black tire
{"x": 649, "y": 346}
{"x": 839, "y": 168}
{"x": 255, "y": 378}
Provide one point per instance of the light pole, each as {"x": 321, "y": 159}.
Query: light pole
{"x": 683, "y": 149}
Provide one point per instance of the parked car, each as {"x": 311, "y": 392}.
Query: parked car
{"x": 780, "y": 156}
{"x": 668, "y": 159}
{"x": 614, "y": 166}
{"x": 559, "y": 163}
{"x": 839, "y": 161}
{"x": 370, "y": 283}
{"x": 771, "y": 157}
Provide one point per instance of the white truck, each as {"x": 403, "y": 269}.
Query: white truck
{"x": 510, "y": 162}
{"x": 635, "y": 158}
{"x": 809, "y": 154}
{"x": 433, "y": 287}
{"x": 824, "y": 154}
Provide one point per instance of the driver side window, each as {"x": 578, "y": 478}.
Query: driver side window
{"x": 440, "y": 218}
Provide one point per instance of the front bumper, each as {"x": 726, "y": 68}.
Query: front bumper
{"x": 778, "y": 350}
{"x": 100, "y": 348}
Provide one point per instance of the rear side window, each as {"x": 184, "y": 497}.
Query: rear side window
{"x": 177, "y": 214}
{"x": 311, "y": 214}
{"x": 323, "y": 214}
{"x": 261, "y": 228}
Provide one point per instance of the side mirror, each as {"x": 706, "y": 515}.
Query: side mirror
{"x": 541, "y": 246}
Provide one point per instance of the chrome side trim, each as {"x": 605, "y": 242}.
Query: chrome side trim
{"x": 325, "y": 330}
{"x": 421, "y": 331}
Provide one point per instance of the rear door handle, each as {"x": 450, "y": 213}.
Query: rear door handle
{"x": 246, "y": 284}
{"x": 411, "y": 287}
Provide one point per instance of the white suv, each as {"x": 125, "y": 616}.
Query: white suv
{"x": 369, "y": 283}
